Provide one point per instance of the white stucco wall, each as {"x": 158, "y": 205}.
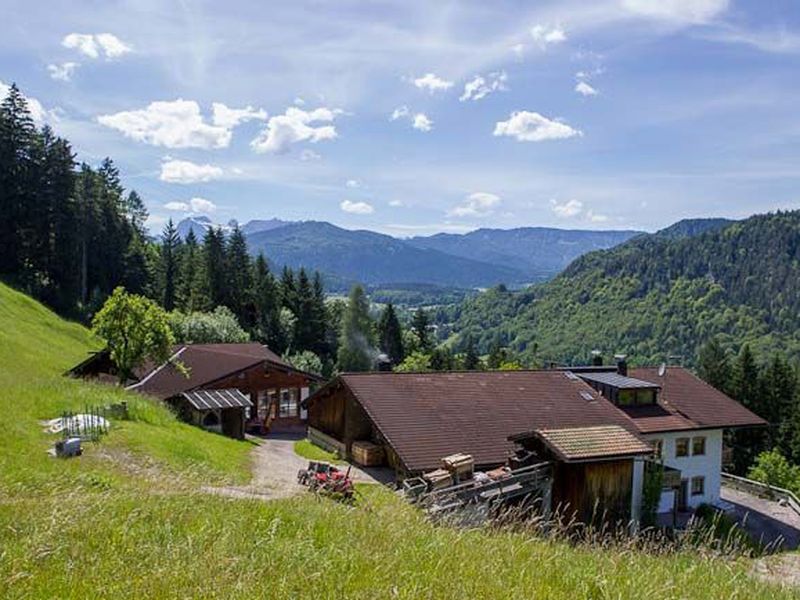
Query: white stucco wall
{"x": 708, "y": 465}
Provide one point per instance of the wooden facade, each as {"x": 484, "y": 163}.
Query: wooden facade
{"x": 337, "y": 414}
{"x": 276, "y": 396}
{"x": 591, "y": 492}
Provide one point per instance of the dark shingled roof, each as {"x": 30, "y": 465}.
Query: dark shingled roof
{"x": 426, "y": 416}
{"x": 205, "y": 363}
{"x": 687, "y": 402}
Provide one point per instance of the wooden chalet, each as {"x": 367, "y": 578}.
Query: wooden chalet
{"x": 597, "y": 427}
{"x": 229, "y": 388}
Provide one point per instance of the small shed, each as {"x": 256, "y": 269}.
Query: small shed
{"x": 223, "y": 411}
{"x": 595, "y": 474}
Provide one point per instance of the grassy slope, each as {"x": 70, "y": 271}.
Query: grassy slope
{"x": 112, "y": 524}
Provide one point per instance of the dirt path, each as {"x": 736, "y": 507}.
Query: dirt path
{"x": 275, "y": 467}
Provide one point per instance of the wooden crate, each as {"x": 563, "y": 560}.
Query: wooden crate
{"x": 438, "y": 479}
{"x": 367, "y": 454}
{"x": 460, "y": 465}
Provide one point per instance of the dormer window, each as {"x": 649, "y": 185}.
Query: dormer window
{"x": 622, "y": 390}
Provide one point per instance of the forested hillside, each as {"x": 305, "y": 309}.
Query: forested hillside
{"x": 657, "y": 296}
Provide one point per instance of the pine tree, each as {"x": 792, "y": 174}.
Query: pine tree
{"x": 170, "y": 253}
{"x": 713, "y": 365}
{"x": 304, "y": 336}
{"x": 188, "y": 277}
{"x": 746, "y": 388}
{"x": 288, "y": 290}
{"x": 356, "y": 344}
{"x": 238, "y": 278}
{"x": 497, "y": 356}
{"x": 390, "y": 335}
{"x": 319, "y": 318}
{"x": 471, "y": 358}
{"x": 17, "y": 134}
{"x": 214, "y": 267}
{"x": 779, "y": 388}
{"x": 420, "y": 325}
{"x": 266, "y": 300}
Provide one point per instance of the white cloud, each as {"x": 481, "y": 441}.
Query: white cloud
{"x": 231, "y": 117}
{"x": 195, "y": 205}
{"x": 518, "y": 50}
{"x": 399, "y": 113}
{"x": 584, "y": 89}
{"x": 307, "y": 155}
{"x": 569, "y": 209}
{"x": 432, "y": 83}
{"x": 546, "y": 36}
{"x": 176, "y": 124}
{"x": 295, "y": 125}
{"x": 62, "y": 72}
{"x": 352, "y": 183}
{"x": 419, "y": 121}
{"x": 477, "y": 204}
{"x": 39, "y": 113}
{"x": 94, "y": 45}
{"x": 178, "y": 206}
{"x": 527, "y": 126}
{"x": 184, "y": 171}
{"x": 686, "y": 11}
{"x": 357, "y": 208}
{"x": 574, "y": 209}
{"x": 422, "y": 122}
{"x": 480, "y": 86}
{"x": 396, "y": 203}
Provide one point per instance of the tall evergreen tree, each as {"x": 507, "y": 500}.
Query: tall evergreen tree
{"x": 304, "y": 337}
{"x": 214, "y": 266}
{"x": 390, "y": 335}
{"x": 746, "y": 388}
{"x": 170, "y": 267}
{"x": 713, "y": 365}
{"x": 288, "y": 289}
{"x": 319, "y": 318}
{"x": 266, "y": 300}
{"x": 238, "y": 278}
{"x": 778, "y": 389}
{"x": 17, "y": 134}
{"x": 420, "y": 325}
{"x": 357, "y": 343}
{"x": 471, "y": 358}
{"x": 189, "y": 280}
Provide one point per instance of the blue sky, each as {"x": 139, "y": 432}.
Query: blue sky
{"x": 417, "y": 117}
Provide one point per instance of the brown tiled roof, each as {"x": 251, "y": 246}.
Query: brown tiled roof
{"x": 205, "y": 363}
{"x": 687, "y": 402}
{"x": 426, "y": 416}
{"x": 587, "y": 443}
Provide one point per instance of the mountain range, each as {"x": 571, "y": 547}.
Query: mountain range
{"x": 481, "y": 258}
{"x": 656, "y": 296}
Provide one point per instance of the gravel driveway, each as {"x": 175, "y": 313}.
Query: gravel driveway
{"x": 275, "y": 467}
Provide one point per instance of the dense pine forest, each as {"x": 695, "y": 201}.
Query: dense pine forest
{"x": 70, "y": 234}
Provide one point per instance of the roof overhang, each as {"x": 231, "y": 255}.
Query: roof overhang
{"x": 589, "y": 444}
{"x": 216, "y": 399}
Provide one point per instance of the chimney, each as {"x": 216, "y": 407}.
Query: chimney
{"x": 384, "y": 363}
{"x": 622, "y": 364}
{"x": 597, "y": 358}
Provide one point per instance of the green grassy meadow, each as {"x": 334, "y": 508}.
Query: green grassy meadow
{"x": 128, "y": 519}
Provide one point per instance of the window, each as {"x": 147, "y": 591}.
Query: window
{"x": 288, "y": 406}
{"x": 658, "y": 448}
{"x": 698, "y": 486}
{"x": 682, "y": 447}
{"x": 626, "y": 397}
{"x": 698, "y": 446}
{"x": 644, "y": 397}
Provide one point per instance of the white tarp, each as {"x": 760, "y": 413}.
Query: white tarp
{"x": 77, "y": 423}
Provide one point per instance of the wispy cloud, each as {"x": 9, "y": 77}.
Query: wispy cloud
{"x": 526, "y": 126}
{"x": 356, "y": 208}
{"x": 95, "y": 45}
